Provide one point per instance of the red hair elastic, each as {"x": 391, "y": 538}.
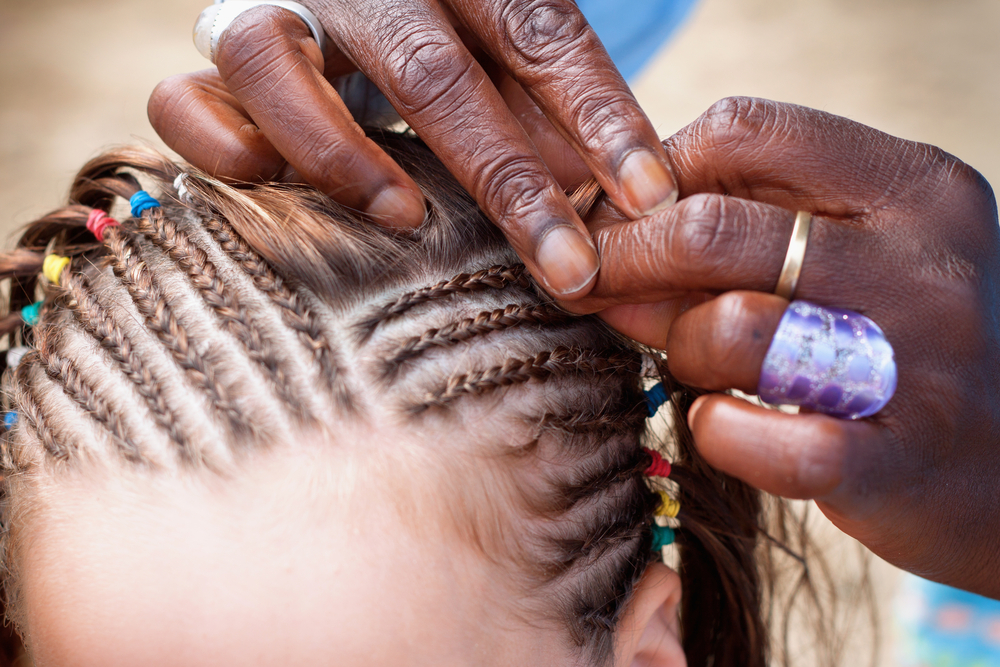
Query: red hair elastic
{"x": 660, "y": 467}
{"x": 97, "y": 221}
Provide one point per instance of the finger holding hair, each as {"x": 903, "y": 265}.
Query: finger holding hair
{"x": 197, "y": 116}
{"x": 437, "y": 86}
{"x": 273, "y": 68}
{"x": 550, "y": 49}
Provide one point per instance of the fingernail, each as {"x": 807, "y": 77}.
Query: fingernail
{"x": 568, "y": 260}
{"x": 398, "y": 207}
{"x": 647, "y": 183}
{"x": 693, "y": 410}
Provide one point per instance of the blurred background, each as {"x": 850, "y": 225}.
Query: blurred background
{"x": 75, "y": 76}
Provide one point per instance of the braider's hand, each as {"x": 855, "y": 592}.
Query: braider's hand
{"x": 482, "y": 82}
{"x": 903, "y": 233}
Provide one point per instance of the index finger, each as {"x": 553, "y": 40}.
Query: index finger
{"x": 268, "y": 61}
{"x": 791, "y": 156}
{"x": 444, "y": 94}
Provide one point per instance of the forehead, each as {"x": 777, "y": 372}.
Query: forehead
{"x": 277, "y": 566}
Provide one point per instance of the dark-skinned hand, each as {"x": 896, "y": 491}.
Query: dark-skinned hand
{"x": 903, "y": 233}
{"x": 483, "y": 82}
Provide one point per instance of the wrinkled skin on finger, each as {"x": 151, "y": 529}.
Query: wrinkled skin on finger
{"x": 903, "y": 233}
{"x": 517, "y": 97}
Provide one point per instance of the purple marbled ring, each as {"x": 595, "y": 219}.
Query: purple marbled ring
{"x": 833, "y": 361}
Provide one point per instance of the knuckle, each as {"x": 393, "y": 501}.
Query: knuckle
{"x": 605, "y": 117}
{"x": 511, "y": 185}
{"x": 968, "y": 185}
{"x": 254, "y": 45}
{"x": 702, "y": 238}
{"x": 164, "y": 100}
{"x": 428, "y": 70}
{"x": 727, "y": 344}
{"x": 954, "y": 197}
{"x": 330, "y": 156}
{"x": 544, "y": 32}
{"x": 735, "y": 120}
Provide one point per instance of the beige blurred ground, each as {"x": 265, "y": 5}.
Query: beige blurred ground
{"x": 75, "y": 75}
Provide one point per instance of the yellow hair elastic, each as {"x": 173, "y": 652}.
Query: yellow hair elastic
{"x": 53, "y": 266}
{"x": 669, "y": 507}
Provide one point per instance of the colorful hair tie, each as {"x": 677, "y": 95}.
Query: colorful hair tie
{"x": 30, "y": 313}
{"x": 142, "y": 201}
{"x": 97, "y": 221}
{"x": 655, "y": 397}
{"x": 53, "y": 266}
{"x": 662, "y": 536}
{"x": 669, "y": 507}
{"x": 660, "y": 467}
{"x": 15, "y": 354}
{"x": 9, "y": 420}
{"x": 179, "y": 184}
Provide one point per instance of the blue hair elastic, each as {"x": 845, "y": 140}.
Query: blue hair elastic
{"x": 9, "y": 420}
{"x": 30, "y": 313}
{"x": 662, "y": 536}
{"x": 142, "y": 201}
{"x": 655, "y": 397}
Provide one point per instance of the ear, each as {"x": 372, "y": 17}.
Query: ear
{"x": 649, "y": 630}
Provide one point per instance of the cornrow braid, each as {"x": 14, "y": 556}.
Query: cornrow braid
{"x": 294, "y": 313}
{"x": 220, "y": 298}
{"x": 63, "y": 372}
{"x": 496, "y": 277}
{"x": 33, "y": 414}
{"x": 144, "y": 288}
{"x": 513, "y": 315}
{"x": 609, "y": 420}
{"x": 547, "y": 364}
{"x": 621, "y": 470}
{"x": 97, "y": 321}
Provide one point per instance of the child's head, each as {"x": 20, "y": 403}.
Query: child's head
{"x": 255, "y": 429}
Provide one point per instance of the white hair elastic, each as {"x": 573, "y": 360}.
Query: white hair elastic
{"x": 214, "y": 20}
{"x": 181, "y": 187}
{"x": 650, "y": 369}
{"x": 14, "y": 356}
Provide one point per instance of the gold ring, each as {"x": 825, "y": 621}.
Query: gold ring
{"x": 788, "y": 279}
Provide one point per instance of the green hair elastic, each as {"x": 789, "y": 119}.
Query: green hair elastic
{"x": 662, "y": 536}
{"x": 30, "y": 313}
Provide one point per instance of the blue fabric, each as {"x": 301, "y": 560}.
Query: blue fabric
{"x": 634, "y": 30}
{"x": 939, "y": 626}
